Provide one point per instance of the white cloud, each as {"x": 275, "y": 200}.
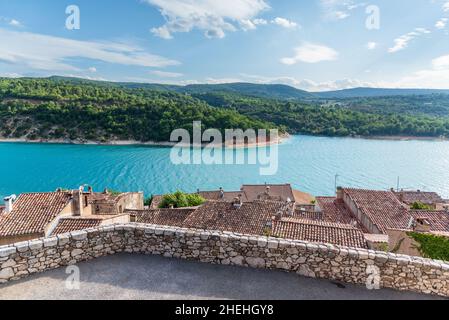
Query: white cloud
{"x": 92, "y": 69}
{"x": 339, "y": 9}
{"x": 10, "y": 75}
{"x": 441, "y": 62}
{"x": 441, "y": 24}
{"x": 403, "y": 41}
{"x": 306, "y": 84}
{"x": 435, "y": 77}
{"x": 248, "y": 25}
{"x": 162, "y": 32}
{"x": 311, "y": 53}
{"x": 371, "y": 45}
{"x": 214, "y": 17}
{"x": 164, "y": 74}
{"x": 42, "y": 52}
{"x": 446, "y": 7}
{"x": 261, "y": 22}
{"x": 15, "y": 23}
{"x": 285, "y": 23}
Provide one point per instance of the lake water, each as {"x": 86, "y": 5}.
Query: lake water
{"x": 308, "y": 163}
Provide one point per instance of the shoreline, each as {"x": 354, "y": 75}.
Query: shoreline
{"x": 281, "y": 140}
{"x": 403, "y": 138}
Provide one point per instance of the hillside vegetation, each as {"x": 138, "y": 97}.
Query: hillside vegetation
{"x": 45, "y": 109}
{"x": 370, "y": 117}
{"x": 74, "y": 109}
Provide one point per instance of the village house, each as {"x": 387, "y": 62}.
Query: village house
{"x": 35, "y": 215}
{"x": 267, "y": 214}
{"x": 356, "y": 218}
{"x": 383, "y": 217}
{"x": 249, "y": 193}
{"x": 431, "y": 199}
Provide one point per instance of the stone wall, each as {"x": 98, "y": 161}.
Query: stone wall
{"x": 312, "y": 260}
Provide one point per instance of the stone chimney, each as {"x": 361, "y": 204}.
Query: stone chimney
{"x": 422, "y": 225}
{"x": 238, "y": 203}
{"x": 9, "y": 203}
{"x": 340, "y": 193}
{"x": 267, "y": 190}
{"x": 278, "y": 216}
{"x": 77, "y": 204}
{"x": 222, "y": 194}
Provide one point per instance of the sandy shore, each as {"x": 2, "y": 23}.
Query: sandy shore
{"x": 404, "y": 138}
{"x": 133, "y": 142}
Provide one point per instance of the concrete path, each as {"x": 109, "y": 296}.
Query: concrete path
{"x": 150, "y": 277}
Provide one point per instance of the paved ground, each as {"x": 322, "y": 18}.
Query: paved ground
{"x": 149, "y": 277}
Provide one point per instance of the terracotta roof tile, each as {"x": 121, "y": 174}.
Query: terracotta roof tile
{"x": 410, "y": 197}
{"x": 251, "y": 218}
{"x": 334, "y": 210}
{"x": 75, "y": 224}
{"x": 32, "y": 212}
{"x": 319, "y": 232}
{"x": 439, "y": 220}
{"x": 165, "y": 217}
{"x": 281, "y": 192}
{"x": 382, "y": 207}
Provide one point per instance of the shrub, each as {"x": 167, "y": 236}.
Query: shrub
{"x": 421, "y": 206}
{"x": 431, "y": 246}
{"x": 181, "y": 200}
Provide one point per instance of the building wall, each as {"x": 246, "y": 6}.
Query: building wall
{"x": 306, "y": 259}
{"x": 131, "y": 201}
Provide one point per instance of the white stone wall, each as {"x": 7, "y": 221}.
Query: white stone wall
{"x": 312, "y": 260}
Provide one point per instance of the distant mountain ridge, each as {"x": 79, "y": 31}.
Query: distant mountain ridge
{"x": 378, "y": 92}
{"x": 271, "y": 91}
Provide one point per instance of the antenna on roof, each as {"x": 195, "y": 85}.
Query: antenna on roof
{"x": 399, "y": 182}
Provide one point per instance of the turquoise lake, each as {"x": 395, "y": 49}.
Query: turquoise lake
{"x": 308, "y": 163}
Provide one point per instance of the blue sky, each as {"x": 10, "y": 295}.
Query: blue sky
{"x": 313, "y": 45}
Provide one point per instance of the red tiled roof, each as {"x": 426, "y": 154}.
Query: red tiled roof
{"x": 251, "y": 218}
{"x": 439, "y": 220}
{"x": 334, "y": 210}
{"x": 308, "y": 215}
{"x": 165, "y": 217}
{"x": 75, "y": 224}
{"x": 281, "y": 192}
{"x": 382, "y": 208}
{"x": 410, "y": 197}
{"x": 218, "y": 196}
{"x": 319, "y": 232}
{"x": 32, "y": 212}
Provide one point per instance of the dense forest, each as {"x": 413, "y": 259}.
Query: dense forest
{"x": 59, "y": 108}
{"x": 44, "y": 109}
{"x": 363, "y": 117}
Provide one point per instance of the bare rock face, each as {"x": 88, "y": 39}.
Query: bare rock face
{"x": 351, "y": 265}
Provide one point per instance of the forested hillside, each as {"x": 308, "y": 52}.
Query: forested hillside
{"x": 45, "y": 109}
{"x": 74, "y": 109}
{"x": 384, "y": 117}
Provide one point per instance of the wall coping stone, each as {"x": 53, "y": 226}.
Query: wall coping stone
{"x": 292, "y": 255}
